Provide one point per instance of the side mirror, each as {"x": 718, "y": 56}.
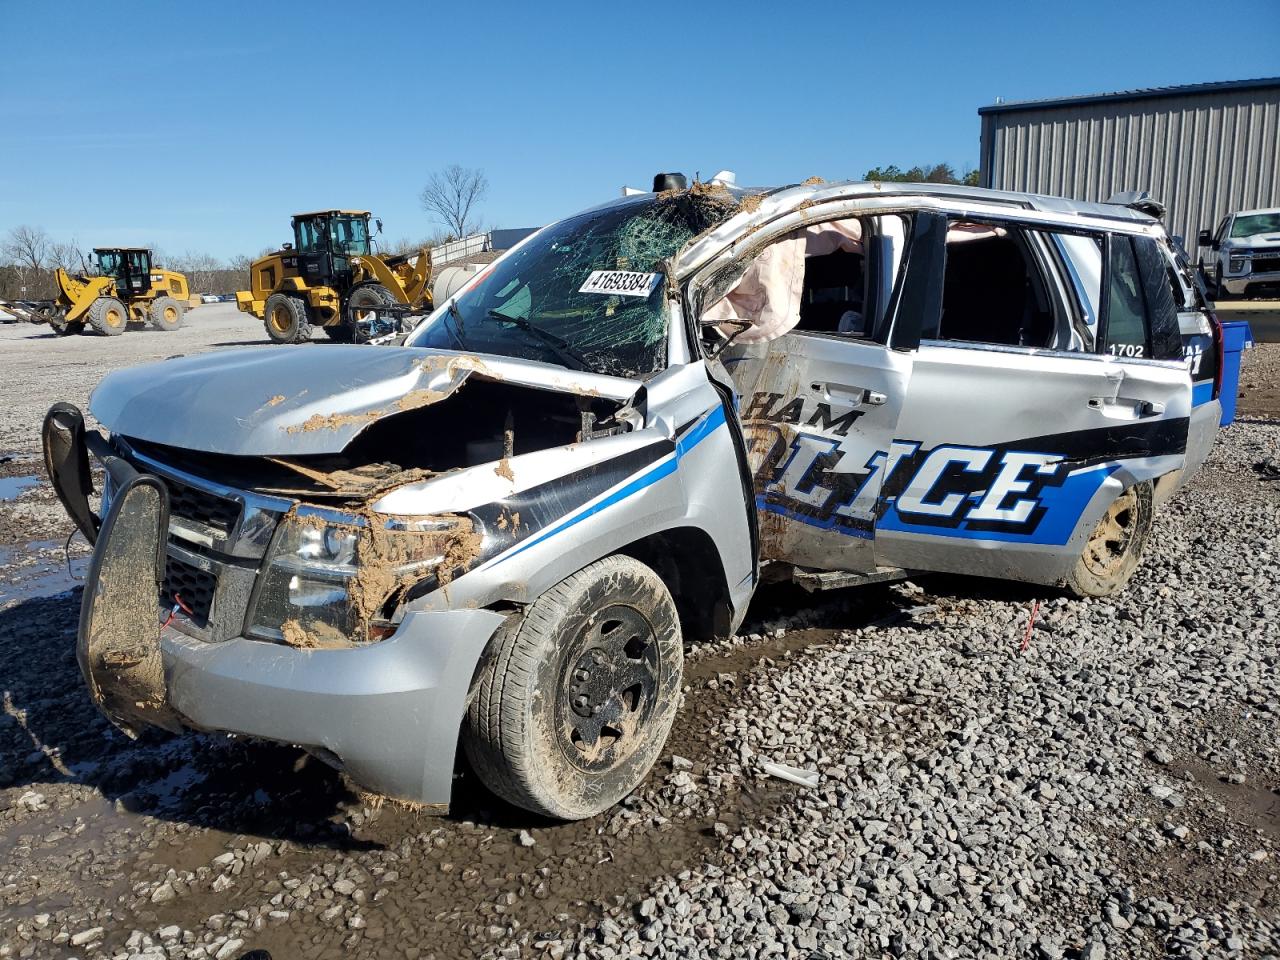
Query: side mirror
{"x": 1204, "y": 238}
{"x": 379, "y": 223}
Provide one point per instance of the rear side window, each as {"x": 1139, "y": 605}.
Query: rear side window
{"x": 1141, "y": 316}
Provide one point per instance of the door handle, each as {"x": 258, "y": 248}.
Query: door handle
{"x": 1139, "y": 408}
{"x": 845, "y": 393}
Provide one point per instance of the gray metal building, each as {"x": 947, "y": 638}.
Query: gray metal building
{"x": 1204, "y": 150}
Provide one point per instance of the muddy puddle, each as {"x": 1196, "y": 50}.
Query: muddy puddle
{"x": 40, "y": 568}
{"x": 12, "y": 487}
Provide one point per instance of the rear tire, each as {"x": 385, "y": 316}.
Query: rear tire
{"x": 108, "y": 315}
{"x": 165, "y": 314}
{"x": 286, "y": 319}
{"x": 573, "y": 701}
{"x": 1113, "y": 550}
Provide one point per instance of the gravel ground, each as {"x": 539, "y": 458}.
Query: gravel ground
{"x": 1113, "y": 791}
{"x": 41, "y": 367}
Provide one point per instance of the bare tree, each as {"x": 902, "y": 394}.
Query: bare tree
{"x": 201, "y": 270}
{"x": 68, "y": 256}
{"x": 450, "y": 196}
{"x": 27, "y": 249}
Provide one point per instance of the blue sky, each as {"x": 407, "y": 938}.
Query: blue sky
{"x": 259, "y": 110}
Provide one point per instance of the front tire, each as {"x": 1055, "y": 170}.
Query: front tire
{"x": 108, "y": 315}
{"x": 286, "y": 319}
{"x": 1113, "y": 550}
{"x": 574, "y": 700}
{"x": 165, "y": 314}
{"x": 364, "y": 308}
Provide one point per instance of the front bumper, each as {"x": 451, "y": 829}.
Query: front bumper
{"x": 388, "y": 713}
{"x": 1239, "y": 286}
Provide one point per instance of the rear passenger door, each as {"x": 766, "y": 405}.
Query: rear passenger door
{"x": 1029, "y": 409}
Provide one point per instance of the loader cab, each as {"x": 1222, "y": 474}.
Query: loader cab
{"x": 130, "y": 267}
{"x": 325, "y": 242}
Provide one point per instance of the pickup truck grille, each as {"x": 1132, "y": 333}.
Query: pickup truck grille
{"x": 194, "y": 586}
{"x": 1266, "y": 264}
{"x": 200, "y": 506}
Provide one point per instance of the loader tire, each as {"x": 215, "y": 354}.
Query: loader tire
{"x": 363, "y": 304}
{"x": 165, "y": 314}
{"x": 574, "y": 699}
{"x": 1112, "y": 552}
{"x": 109, "y": 316}
{"x": 286, "y": 319}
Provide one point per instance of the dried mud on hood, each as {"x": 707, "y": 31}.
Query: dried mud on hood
{"x": 304, "y": 400}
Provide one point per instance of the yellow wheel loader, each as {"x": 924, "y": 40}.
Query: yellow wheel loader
{"x": 126, "y": 288}
{"x": 331, "y": 278}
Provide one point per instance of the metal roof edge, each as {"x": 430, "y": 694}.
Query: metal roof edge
{"x": 1144, "y": 93}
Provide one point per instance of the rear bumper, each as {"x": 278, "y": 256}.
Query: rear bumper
{"x": 388, "y": 713}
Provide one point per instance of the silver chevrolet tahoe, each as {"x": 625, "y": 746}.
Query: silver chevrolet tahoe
{"x": 500, "y": 533}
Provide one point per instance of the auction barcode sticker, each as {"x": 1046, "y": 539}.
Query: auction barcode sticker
{"x": 624, "y": 282}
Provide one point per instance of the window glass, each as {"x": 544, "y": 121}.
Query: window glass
{"x": 588, "y": 292}
{"x": 1154, "y": 267}
{"x": 349, "y": 235}
{"x": 1126, "y": 308}
{"x": 310, "y": 236}
{"x": 109, "y": 263}
{"x": 1247, "y": 226}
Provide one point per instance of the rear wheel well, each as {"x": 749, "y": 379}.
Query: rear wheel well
{"x": 687, "y": 561}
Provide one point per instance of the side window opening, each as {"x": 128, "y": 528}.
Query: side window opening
{"x": 993, "y": 290}
{"x": 834, "y": 278}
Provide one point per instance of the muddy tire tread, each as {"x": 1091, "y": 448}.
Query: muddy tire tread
{"x": 496, "y": 735}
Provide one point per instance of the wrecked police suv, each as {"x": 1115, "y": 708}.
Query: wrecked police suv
{"x": 499, "y": 533}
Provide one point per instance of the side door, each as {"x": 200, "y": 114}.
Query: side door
{"x": 820, "y": 405}
{"x": 1029, "y": 410}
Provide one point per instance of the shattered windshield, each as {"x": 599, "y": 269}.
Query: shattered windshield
{"x": 587, "y": 293}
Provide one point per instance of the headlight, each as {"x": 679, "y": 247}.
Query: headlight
{"x": 329, "y": 574}
{"x": 1236, "y": 264}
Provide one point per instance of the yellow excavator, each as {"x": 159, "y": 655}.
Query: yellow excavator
{"x": 330, "y": 277}
{"x": 127, "y": 287}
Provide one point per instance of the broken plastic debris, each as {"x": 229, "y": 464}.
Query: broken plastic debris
{"x": 803, "y": 778}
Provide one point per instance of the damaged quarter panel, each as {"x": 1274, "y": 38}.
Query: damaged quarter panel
{"x": 542, "y": 515}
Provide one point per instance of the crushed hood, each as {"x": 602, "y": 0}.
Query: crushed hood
{"x": 294, "y": 401}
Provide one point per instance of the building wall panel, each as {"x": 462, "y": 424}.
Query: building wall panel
{"x": 1203, "y": 154}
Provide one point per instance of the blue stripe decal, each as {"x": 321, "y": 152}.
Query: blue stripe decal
{"x": 1063, "y": 507}
{"x": 692, "y": 437}
{"x": 832, "y": 521}
{"x": 1201, "y": 393}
